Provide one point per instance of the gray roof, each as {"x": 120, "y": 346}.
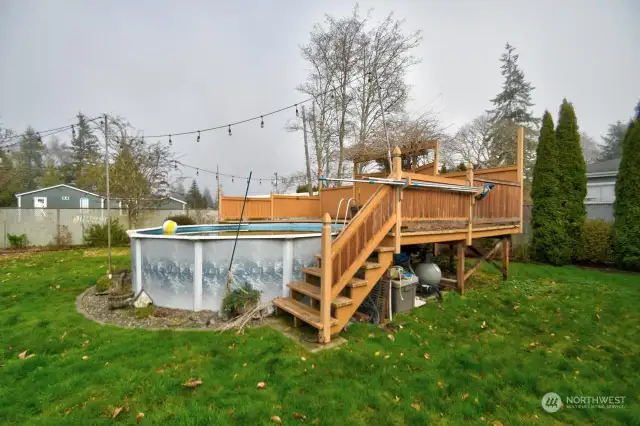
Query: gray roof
{"x": 604, "y": 166}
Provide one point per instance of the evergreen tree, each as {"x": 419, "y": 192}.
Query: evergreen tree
{"x": 208, "y": 199}
{"x": 9, "y": 184}
{"x": 30, "y": 160}
{"x": 612, "y": 141}
{"x": 572, "y": 172}
{"x": 626, "y": 228}
{"x": 51, "y": 175}
{"x": 194, "y": 196}
{"x": 549, "y": 243}
{"x": 512, "y": 109}
{"x": 85, "y": 147}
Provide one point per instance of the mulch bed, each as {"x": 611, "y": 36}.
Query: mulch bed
{"x": 95, "y": 307}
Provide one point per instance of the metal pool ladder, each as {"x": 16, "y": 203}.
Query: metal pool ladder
{"x": 346, "y": 212}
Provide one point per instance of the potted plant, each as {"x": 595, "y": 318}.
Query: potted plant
{"x": 121, "y": 292}
{"x": 240, "y": 300}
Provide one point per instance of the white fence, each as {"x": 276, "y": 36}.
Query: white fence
{"x": 43, "y": 226}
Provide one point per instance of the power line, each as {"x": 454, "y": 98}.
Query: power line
{"x": 44, "y": 133}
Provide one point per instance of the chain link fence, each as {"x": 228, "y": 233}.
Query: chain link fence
{"x": 47, "y": 227}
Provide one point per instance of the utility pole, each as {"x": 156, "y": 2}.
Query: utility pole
{"x": 306, "y": 151}
{"x": 276, "y": 182}
{"x": 106, "y": 165}
{"x": 218, "y": 183}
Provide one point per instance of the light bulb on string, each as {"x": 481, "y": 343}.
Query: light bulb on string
{"x": 175, "y": 164}
{"x": 261, "y": 122}
{"x": 296, "y": 110}
{"x": 229, "y": 129}
{"x": 170, "y": 143}
{"x": 217, "y": 178}
{"x": 198, "y": 139}
{"x": 73, "y": 131}
{"x": 197, "y": 172}
{"x": 369, "y": 77}
{"x": 38, "y": 137}
{"x": 232, "y": 179}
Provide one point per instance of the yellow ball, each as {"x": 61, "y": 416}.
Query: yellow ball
{"x": 169, "y": 227}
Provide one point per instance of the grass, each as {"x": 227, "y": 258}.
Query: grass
{"x": 574, "y": 332}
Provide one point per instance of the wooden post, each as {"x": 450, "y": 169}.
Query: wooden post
{"x": 325, "y": 280}
{"x": 472, "y": 199}
{"x": 460, "y": 266}
{"x": 436, "y": 158}
{"x": 397, "y": 172}
{"x": 506, "y": 248}
{"x": 271, "y": 205}
{"x": 520, "y": 164}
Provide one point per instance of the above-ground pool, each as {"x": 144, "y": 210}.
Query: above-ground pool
{"x": 188, "y": 270}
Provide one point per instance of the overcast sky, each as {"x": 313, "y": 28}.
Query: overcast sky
{"x": 172, "y": 66}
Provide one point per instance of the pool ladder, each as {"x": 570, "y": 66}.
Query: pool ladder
{"x": 346, "y": 212}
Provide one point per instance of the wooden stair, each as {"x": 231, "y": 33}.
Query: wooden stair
{"x": 304, "y": 299}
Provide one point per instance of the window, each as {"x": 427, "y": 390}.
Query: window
{"x": 65, "y": 198}
{"x": 40, "y": 202}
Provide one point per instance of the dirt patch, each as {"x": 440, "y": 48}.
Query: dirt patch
{"x": 95, "y": 307}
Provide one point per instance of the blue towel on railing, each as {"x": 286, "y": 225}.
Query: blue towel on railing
{"x": 485, "y": 190}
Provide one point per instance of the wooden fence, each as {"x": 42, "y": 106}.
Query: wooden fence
{"x": 276, "y": 206}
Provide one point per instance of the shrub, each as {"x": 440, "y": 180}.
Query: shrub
{"x": 62, "y": 238}
{"x": 17, "y": 241}
{"x": 240, "y": 299}
{"x": 627, "y": 204}
{"x": 182, "y": 219}
{"x": 596, "y": 242}
{"x": 103, "y": 284}
{"x": 96, "y": 235}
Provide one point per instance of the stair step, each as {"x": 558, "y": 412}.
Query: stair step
{"x": 365, "y": 265}
{"x": 300, "y": 310}
{"x": 381, "y": 249}
{"x": 313, "y": 291}
{"x": 317, "y": 272}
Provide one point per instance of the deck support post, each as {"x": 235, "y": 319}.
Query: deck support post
{"x": 506, "y": 248}
{"x": 472, "y": 199}
{"x": 325, "y": 281}
{"x": 397, "y": 172}
{"x": 460, "y": 266}
{"x": 520, "y": 170}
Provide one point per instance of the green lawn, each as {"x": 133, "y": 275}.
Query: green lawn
{"x": 574, "y": 332}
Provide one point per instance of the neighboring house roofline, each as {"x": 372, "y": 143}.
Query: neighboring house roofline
{"x": 175, "y": 199}
{"x": 602, "y": 174}
{"x": 56, "y": 186}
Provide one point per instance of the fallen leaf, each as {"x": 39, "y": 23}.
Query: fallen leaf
{"x": 160, "y": 371}
{"x": 391, "y": 337}
{"x": 598, "y": 316}
{"x": 397, "y": 398}
{"x": 299, "y": 416}
{"x": 535, "y": 416}
{"x": 387, "y": 356}
{"x": 578, "y": 358}
{"x": 313, "y": 366}
{"x": 139, "y": 417}
{"x": 401, "y": 353}
{"x": 533, "y": 344}
{"x": 106, "y": 363}
{"x": 515, "y": 308}
{"x": 244, "y": 364}
{"x": 427, "y": 356}
{"x": 58, "y": 286}
{"x": 303, "y": 358}
{"x": 86, "y": 357}
{"x": 416, "y": 406}
{"x": 401, "y": 327}
{"x": 315, "y": 421}
{"x": 558, "y": 310}
{"x": 377, "y": 353}
{"x": 577, "y": 371}
{"x": 484, "y": 325}
{"x": 497, "y": 423}
{"x": 23, "y": 355}
{"x": 192, "y": 383}
{"x": 68, "y": 411}
{"x": 440, "y": 384}
{"x": 86, "y": 342}
{"x": 117, "y": 411}
{"x": 371, "y": 335}
{"x": 63, "y": 335}
{"x": 276, "y": 419}
{"x": 261, "y": 385}
{"x": 465, "y": 396}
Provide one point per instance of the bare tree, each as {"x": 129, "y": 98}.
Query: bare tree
{"x": 472, "y": 142}
{"x": 590, "y": 148}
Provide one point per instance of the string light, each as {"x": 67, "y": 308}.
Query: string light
{"x": 38, "y": 137}
{"x": 197, "y": 172}
{"x": 73, "y": 132}
{"x": 175, "y": 164}
{"x": 232, "y": 179}
{"x": 296, "y": 110}
{"x": 261, "y": 122}
{"x": 198, "y": 139}
{"x": 170, "y": 143}
{"x": 229, "y": 129}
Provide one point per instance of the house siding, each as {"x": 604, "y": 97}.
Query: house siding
{"x": 55, "y": 201}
